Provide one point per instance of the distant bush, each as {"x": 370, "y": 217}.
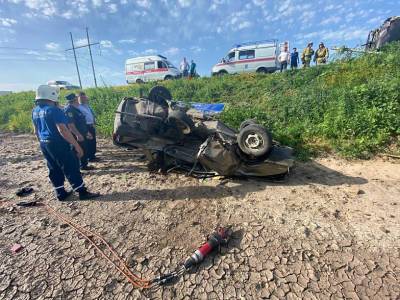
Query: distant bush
{"x": 350, "y": 106}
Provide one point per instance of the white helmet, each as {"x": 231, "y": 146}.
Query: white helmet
{"x": 46, "y": 92}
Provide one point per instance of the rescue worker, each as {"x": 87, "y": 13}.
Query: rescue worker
{"x": 307, "y": 55}
{"x": 56, "y": 142}
{"x": 294, "y": 59}
{"x": 321, "y": 55}
{"x": 90, "y": 122}
{"x": 77, "y": 125}
{"x": 192, "y": 71}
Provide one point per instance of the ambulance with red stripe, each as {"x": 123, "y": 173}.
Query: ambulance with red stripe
{"x": 149, "y": 68}
{"x": 258, "y": 57}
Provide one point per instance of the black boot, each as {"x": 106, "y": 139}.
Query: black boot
{"x": 84, "y": 194}
{"x": 62, "y": 195}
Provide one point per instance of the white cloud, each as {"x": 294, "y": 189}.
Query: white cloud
{"x": 185, "y": 3}
{"x": 7, "y": 22}
{"x": 244, "y": 24}
{"x": 112, "y": 8}
{"x": 173, "y": 51}
{"x": 68, "y": 14}
{"x": 41, "y": 7}
{"x": 80, "y": 42}
{"x": 106, "y": 44}
{"x": 150, "y": 51}
{"x": 143, "y": 3}
{"x": 331, "y": 20}
{"x": 196, "y": 49}
{"x": 52, "y": 46}
{"x": 97, "y": 3}
{"x": 127, "y": 41}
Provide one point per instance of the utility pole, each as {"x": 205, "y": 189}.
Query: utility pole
{"x": 91, "y": 58}
{"x": 76, "y": 62}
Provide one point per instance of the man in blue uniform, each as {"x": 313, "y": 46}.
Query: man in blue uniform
{"x": 294, "y": 59}
{"x": 90, "y": 122}
{"x": 56, "y": 142}
{"x": 77, "y": 125}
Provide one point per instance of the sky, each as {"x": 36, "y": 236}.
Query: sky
{"x": 34, "y": 34}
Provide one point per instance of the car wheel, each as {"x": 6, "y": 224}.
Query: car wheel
{"x": 160, "y": 95}
{"x": 181, "y": 121}
{"x": 168, "y": 77}
{"x": 139, "y": 81}
{"x": 254, "y": 140}
{"x": 246, "y": 123}
{"x": 222, "y": 73}
{"x": 262, "y": 70}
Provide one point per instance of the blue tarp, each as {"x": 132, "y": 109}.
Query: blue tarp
{"x": 209, "y": 108}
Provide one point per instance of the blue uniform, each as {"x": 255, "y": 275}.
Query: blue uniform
{"x": 294, "y": 60}
{"x": 61, "y": 160}
{"x": 75, "y": 116}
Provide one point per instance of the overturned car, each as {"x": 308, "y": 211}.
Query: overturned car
{"x": 179, "y": 137}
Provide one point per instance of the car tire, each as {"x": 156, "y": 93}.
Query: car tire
{"x": 180, "y": 120}
{"x": 254, "y": 140}
{"x": 246, "y": 123}
{"x": 262, "y": 70}
{"x": 168, "y": 77}
{"x": 139, "y": 81}
{"x": 222, "y": 73}
{"x": 159, "y": 94}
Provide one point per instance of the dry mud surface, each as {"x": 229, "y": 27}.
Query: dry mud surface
{"x": 330, "y": 231}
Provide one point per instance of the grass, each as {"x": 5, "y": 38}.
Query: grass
{"x": 350, "y": 107}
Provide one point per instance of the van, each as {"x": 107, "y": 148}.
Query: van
{"x": 260, "y": 56}
{"x": 149, "y": 68}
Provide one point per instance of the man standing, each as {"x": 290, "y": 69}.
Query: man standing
{"x": 192, "y": 71}
{"x": 294, "y": 59}
{"x": 284, "y": 58}
{"x": 307, "y": 54}
{"x": 90, "y": 122}
{"x": 321, "y": 55}
{"x": 184, "y": 67}
{"x": 55, "y": 142}
{"x": 77, "y": 125}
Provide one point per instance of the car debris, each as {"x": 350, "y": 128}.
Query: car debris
{"x": 177, "y": 137}
{"x": 16, "y": 248}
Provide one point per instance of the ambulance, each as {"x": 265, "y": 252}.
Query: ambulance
{"x": 259, "y": 56}
{"x": 149, "y": 68}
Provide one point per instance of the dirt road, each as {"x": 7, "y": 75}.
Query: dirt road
{"x": 332, "y": 230}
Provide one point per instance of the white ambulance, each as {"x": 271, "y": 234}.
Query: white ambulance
{"x": 260, "y": 56}
{"x": 149, "y": 68}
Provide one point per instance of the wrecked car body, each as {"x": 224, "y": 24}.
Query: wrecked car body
{"x": 176, "y": 137}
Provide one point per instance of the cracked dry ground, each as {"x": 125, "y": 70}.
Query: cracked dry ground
{"x": 330, "y": 231}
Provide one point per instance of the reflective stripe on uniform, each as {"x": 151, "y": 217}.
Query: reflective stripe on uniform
{"x": 59, "y": 187}
{"x": 79, "y": 186}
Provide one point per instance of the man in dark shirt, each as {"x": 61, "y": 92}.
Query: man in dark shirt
{"x": 77, "y": 125}
{"x": 294, "y": 59}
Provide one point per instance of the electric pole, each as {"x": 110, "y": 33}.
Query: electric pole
{"x": 90, "y": 52}
{"x": 91, "y": 58}
{"x": 76, "y": 62}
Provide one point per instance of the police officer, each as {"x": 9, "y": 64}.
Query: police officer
{"x": 77, "y": 125}
{"x": 56, "y": 142}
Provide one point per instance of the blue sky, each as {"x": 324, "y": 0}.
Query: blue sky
{"x": 35, "y": 33}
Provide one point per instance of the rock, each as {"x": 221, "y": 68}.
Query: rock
{"x": 360, "y": 192}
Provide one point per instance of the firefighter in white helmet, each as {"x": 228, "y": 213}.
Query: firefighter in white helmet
{"x": 57, "y": 144}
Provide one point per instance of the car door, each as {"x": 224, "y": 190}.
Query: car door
{"x": 230, "y": 62}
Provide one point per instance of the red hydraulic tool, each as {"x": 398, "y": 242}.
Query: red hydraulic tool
{"x": 215, "y": 240}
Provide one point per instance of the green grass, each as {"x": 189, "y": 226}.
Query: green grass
{"x": 350, "y": 107}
